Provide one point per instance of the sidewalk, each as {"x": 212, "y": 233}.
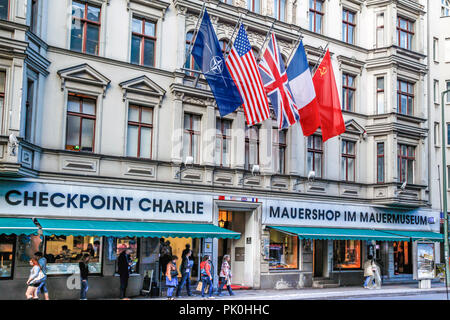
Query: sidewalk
{"x": 317, "y": 293}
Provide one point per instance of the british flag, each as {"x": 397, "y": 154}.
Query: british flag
{"x": 276, "y": 85}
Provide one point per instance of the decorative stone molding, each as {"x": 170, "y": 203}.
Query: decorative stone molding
{"x": 84, "y": 74}
{"x": 143, "y": 86}
{"x": 351, "y": 65}
{"x": 153, "y": 4}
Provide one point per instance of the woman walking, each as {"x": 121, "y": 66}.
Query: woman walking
{"x": 225, "y": 275}
{"x": 34, "y": 280}
{"x": 206, "y": 276}
{"x": 368, "y": 273}
{"x": 171, "y": 277}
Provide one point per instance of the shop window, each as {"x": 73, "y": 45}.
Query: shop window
{"x": 143, "y": 40}
{"x": 85, "y": 31}
{"x": 7, "y": 252}
{"x": 80, "y": 123}
{"x": 140, "y": 131}
{"x": 283, "y": 251}
{"x": 346, "y": 254}
{"x": 4, "y": 9}
{"x": 402, "y": 257}
{"x": 122, "y": 244}
{"x": 63, "y": 253}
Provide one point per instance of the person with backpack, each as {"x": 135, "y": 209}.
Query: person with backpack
{"x": 84, "y": 272}
{"x": 43, "y": 264}
{"x": 171, "y": 277}
{"x": 34, "y": 280}
{"x": 206, "y": 276}
{"x": 185, "y": 268}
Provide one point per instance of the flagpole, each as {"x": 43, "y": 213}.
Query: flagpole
{"x": 300, "y": 37}
{"x": 267, "y": 36}
{"x": 194, "y": 36}
{"x": 226, "y": 53}
{"x": 322, "y": 54}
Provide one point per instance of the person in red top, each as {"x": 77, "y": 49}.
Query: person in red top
{"x": 206, "y": 276}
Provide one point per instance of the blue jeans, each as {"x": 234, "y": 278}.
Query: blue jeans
{"x": 84, "y": 289}
{"x": 207, "y": 281}
{"x": 42, "y": 286}
{"x": 222, "y": 282}
{"x": 368, "y": 279}
{"x": 185, "y": 278}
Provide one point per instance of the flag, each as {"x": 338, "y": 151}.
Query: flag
{"x": 242, "y": 65}
{"x": 302, "y": 88}
{"x": 208, "y": 56}
{"x": 331, "y": 120}
{"x": 276, "y": 85}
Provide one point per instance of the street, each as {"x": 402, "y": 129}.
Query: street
{"x": 421, "y": 296}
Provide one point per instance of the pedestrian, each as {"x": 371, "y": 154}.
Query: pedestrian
{"x": 185, "y": 268}
{"x": 43, "y": 265}
{"x": 34, "y": 280}
{"x": 377, "y": 276}
{"x": 368, "y": 272}
{"x": 171, "y": 277}
{"x": 206, "y": 276}
{"x": 225, "y": 275}
{"x": 84, "y": 271}
{"x": 124, "y": 264}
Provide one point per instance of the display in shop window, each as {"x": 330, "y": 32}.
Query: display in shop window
{"x": 347, "y": 254}
{"x": 283, "y": 251}
{"x": 130, "y": 243}
{"x": 7, "y": 244}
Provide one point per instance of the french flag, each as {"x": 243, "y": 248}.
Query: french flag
{"x": 303, "y": 92}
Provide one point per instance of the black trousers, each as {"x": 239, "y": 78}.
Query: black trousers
{"x": 123, "y": 285}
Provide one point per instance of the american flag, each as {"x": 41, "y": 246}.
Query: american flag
{"x": 242, "y": 65}
{"x": 273, "y": 74}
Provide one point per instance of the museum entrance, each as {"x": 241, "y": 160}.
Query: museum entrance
{"x": 319, "y": 257}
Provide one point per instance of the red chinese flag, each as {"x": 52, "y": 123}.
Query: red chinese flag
{"x": 331, "y": 120}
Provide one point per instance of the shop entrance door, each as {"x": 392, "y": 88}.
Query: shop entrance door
{"x": 319, "y": 253}
{"x": 402, "y": 257}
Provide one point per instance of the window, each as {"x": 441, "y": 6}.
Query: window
{"x": 315, "y": 15}
{"x": 436, "y": 91}
{"x": 176, "y": 247}
{"x": 405, "y": 163}
{"x": 402, "y": 257}
{"x": 2, "y": 94}
{"x": 436, "y": 49}
{"x": 143, "y": 41}
{"x": 380, "y": 162}
{"x": 122, "y": 244}
{"x": 279, "y": 9}
{"x": 315, "y": 155}
{"x": 348, "y": 26}
{"x": 29, "y": 105}
{"x": 436, "y": 134}
{"x": 80, "y": 134}
{"x": 348, "y": 92}
{"x": 445, "y": 8}
{"x": 348, "y": 155}
{"x": 251, "y": 147}
{"x": 64, "y": 252}
{"x": 227, "y": 1}
{"x": 405, "y": 33}
{"x": 405, "y": 97}
{"x": 140, "y": 132}
{"x": 283, "y": 251}
{"x": 254, "y": 5}
{"x": 346, "y": 254}
{"x": 85, "y": 28}
{"x": 191, "y": 136}
{"x": 7, "y": 252}
{"x": 4, "y": 9}
{"x": 190, "y": 62}
{"x": 448, "y": 93}
{"x": 279, "y": 150}
{"x": 223, "y": 45}
{"x": 34, "y": 15}
{"x": 448, "y": 134}
{"x": 380, "y": 95}
{"x": 223, "y": 142}
{"x": 380, "y": 30}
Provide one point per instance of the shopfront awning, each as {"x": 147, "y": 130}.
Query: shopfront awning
{"x": 17, "y": 226}
{"x": 418, "y": 235}
{"x": 341, "y": 233}
{"x": 134, "y": 229}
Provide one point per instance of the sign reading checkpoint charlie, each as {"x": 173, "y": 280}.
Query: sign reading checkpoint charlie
{"x": 50, "y": 199}
{"x": 319, "y": 214}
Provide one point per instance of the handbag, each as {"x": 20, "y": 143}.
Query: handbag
{"x": 199, "y": 286}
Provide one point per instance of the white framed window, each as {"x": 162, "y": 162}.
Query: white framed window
{"x": 380, "y": 95}
{"x": 448, "y": 88}
{"x": 436, "y": 91}
{"x": 380, "y": 30}
{"x": 436, "y": 134}
{"x": 445, "y": 8}
{"x": 436, "y": 49}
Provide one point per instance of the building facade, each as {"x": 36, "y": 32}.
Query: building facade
{"x": 99, "y": 100}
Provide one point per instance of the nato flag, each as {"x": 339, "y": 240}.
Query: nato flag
{"x": 209, "y": 57}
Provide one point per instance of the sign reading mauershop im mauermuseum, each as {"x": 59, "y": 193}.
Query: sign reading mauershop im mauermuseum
{"x": 50, "y": 199}
{"x": 322, "y": 214}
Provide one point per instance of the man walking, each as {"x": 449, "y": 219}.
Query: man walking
{"x": 124, "y": 264}
{"x": 84, "y": 272}
{"x": 185, "y": 268}
{"x": 43, "y": 265}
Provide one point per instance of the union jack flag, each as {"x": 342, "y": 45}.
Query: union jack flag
{"x": 276, "y": 85}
